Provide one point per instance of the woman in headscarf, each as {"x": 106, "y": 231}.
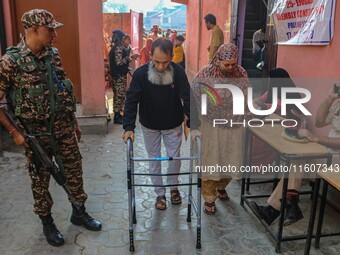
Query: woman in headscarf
{"x": 145, "y": 52}
{"x": 223, "y": 145}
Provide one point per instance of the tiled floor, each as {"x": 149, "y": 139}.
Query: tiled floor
{"x": 233, "y": 230}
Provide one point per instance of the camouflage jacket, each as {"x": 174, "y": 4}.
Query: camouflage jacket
{"x": 25, "y": 78}
{"x": 119, "y": 60}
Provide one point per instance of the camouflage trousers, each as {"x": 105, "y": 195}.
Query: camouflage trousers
{"x": 119, "y": 89}
{"x": 69, "y": 154}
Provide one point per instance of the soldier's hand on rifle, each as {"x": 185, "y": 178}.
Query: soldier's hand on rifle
{"x": 127, "y": 135}
{"x": 18, "y": 138}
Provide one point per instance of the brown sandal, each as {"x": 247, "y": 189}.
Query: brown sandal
{"x": 175, "y": 197}
{"x": 223, "y": 195}
{"x": 211, "y": 206}
{"x": 160, "y": 203}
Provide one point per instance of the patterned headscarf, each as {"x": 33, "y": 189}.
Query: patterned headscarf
{"x": 213, "y": 74}
{"x": 227, "y": 51}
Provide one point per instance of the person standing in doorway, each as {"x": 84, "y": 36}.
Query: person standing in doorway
{"x": 119, "y": 67}
{"x": 217, "y": 37}
{"x": 259, "y": 40}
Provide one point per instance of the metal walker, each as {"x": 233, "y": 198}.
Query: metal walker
{"x": 131, "y": 185}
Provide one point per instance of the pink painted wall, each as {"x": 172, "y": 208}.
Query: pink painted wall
{"x": 198, "y": 37}
{"x": 192, "y": 39}
{"x": 124, "y": 22}
{"x": 90, "y": 53}
{"x": 91, "y": 56}
{"x": 114, "y": 21}
{"x": 320, "y": 64}
{"x": 180, "y": 1}
{"x": 8, "y": 23}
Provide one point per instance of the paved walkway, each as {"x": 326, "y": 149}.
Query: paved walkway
{"x": 233, "y": 230}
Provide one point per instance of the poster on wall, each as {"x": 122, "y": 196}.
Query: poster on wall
{"x": 304, "y": 22}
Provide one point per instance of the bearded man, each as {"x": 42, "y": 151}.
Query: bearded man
{"x": 158, "y": 88}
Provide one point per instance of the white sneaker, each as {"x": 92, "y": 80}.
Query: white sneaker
{"x": 260, "y": 65}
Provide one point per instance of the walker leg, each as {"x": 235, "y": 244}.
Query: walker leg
{"x": 198, "y": 243}
{"x": 189, "y": 212}
{"x": 134, "y": 218}
{"x": 191, "y": 166}
{"x": 132, "y": 246}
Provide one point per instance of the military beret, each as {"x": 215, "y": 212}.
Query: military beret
{"x": 118, "y": 32}
{"x": 39, "y": 17}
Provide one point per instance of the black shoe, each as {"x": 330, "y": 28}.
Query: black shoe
{"x": 293, "y": 211}
{"x": 51, "y": 232}
{"x": 118, "y": 119}
{"x": 267, "y": 213}
{"x": 82, "y": 218}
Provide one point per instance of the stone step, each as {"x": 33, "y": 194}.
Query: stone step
{"x": 249, "y": 63}
{"x": 251, "y": 8}
{"x": 91, "y": 125}
{"x": 248, "y": 34}
{"x": 251, "y": 16}
{"x": 251, "y": 25}
{"x": 247, "y": 53}
{"x": 248, "y": 43}
{"x": 254, "y": 73}
{"x": 94, "y": 125}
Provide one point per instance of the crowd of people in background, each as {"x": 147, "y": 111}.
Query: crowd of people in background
{"x": 122, "y": 54}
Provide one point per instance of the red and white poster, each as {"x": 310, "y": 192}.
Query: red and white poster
{"x": 304, "y": 22}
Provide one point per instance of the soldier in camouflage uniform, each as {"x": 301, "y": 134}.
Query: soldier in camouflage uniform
{"x": 42, "y": 98}
{"x": 119, "y": 59}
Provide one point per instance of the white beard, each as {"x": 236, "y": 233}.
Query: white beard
{"x": 158, "y": 78}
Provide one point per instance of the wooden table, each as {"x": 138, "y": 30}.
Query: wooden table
{"x": 330, "y": 177}
{"x": 287, "y": 151}
{"x": 333, "y": 178}
{"x": 273, "y": 137}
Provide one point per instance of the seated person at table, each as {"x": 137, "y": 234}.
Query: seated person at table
{"x": 327, "y": 113}
{"x": 262, "y": 154}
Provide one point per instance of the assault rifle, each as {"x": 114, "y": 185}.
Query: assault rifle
{"x": 41, "y": 155}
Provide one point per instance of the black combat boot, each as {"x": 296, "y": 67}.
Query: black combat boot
{"x": 51, "y": 232}
{"x": 293, "y": 211}
{"x": 81, "y": 217}
{"x": 118, "y": 119}
{"x": 267, "y": 213}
